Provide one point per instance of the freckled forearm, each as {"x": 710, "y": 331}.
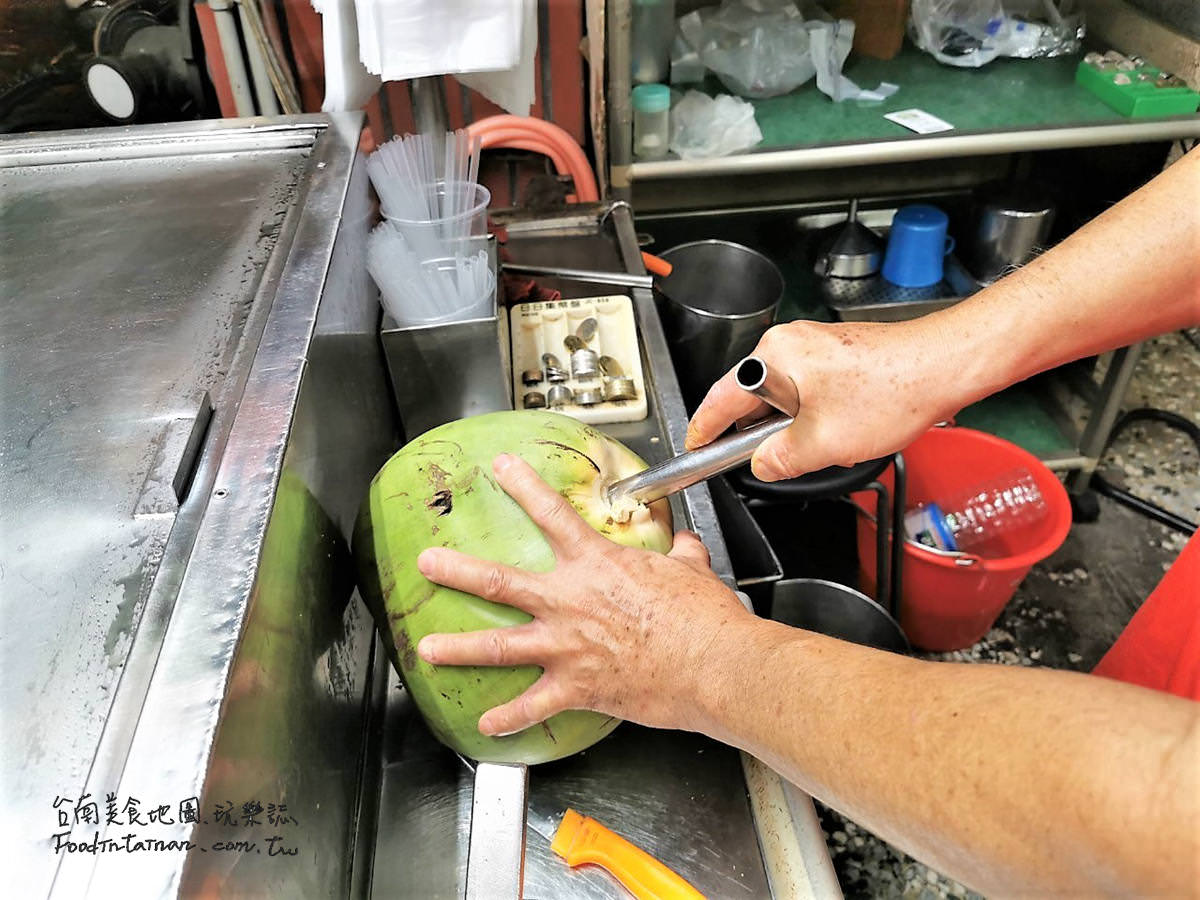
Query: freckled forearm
{"x": 1007, "y": 779}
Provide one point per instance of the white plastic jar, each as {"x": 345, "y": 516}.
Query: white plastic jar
{"x": 651, "y": 120}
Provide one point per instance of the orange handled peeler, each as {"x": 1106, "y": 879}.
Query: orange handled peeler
{"x": 581, "y": 840}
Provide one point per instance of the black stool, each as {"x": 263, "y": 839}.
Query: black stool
{"x": 840, "y": 481}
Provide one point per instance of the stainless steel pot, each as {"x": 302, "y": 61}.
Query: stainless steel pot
{"x": 718, "y": 300}
{"x": 1013, "y": 228}
{"x": 838, "y": 611}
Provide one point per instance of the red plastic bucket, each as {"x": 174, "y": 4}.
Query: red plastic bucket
{"x": 950, "y": 601}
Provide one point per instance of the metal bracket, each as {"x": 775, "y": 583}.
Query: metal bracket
{"x": 496, "y": 856}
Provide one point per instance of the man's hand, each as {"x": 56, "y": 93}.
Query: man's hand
{"x": 865, "y": 390}
{"x": 617, "y": 630}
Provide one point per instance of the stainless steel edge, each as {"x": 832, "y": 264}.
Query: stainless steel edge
{"x": 168, "y": 139}
{"x": 617, "y": 278}
{"x": 697, "y": 500}
{"x": 171, "y": 749}
{"x": 792, "y": 847}
{"x": 370, "y": 784}
{"x": 580, "y": 220}
{"x": 302, "y": 665}
{"x": 919, "y": 148}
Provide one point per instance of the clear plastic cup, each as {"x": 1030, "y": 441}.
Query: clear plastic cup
{"x": 444, "y": 236}
{"x": 436, "y": 311}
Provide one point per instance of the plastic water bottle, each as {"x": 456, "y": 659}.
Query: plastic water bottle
{"x": 966, "y": 519}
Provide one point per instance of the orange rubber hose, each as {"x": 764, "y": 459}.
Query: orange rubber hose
{"x": 543, "y": 137}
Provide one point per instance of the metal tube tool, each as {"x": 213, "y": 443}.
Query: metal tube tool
{"x": 724, "y": 453}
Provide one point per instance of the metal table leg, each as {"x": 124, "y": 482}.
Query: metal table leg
{"x": 1104, "y": 414}
{"x": 899, "y": 507}
{"x": 883, "y": 526}
{"x": 888, "y": 579}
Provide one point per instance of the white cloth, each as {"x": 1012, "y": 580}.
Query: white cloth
{"x": 512, "y": 88}
{"x": 393, "y": 40}
{"x": 401, "y": 39}
{"x": 347, "y": 84}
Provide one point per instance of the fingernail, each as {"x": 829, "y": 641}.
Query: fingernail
{"x": 427, "y": 562}
{"x": 502, "y": 462}
{"x": 763, "y": 471}
{"x": 427, "y": 649}
{"x": 486, "y": 727}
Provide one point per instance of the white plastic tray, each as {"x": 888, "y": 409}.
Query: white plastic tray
{"x": 539, "y": 328}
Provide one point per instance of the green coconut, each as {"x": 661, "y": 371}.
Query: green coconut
{"x": 439, "y": 491}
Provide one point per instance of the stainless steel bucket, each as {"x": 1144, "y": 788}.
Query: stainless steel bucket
{"x": 838, "y": 611}
{"x": 718, "y": 300}
{"x": 1013, "y": 228}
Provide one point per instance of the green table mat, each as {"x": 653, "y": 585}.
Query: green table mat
{"x": 1006, "y": 94}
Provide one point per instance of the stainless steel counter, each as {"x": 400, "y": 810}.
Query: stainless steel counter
{"x": 170, "y": 578}
{"x": 194, "y": 403}
{"x": 107, "y": 367}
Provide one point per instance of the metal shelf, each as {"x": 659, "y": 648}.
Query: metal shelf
{"x": 921, "y": 148}
{"x": 1008, "y": 106}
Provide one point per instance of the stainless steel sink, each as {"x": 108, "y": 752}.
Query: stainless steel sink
{"x": 179, "y": 635}
{"x": 180, "y": 624}
{"x": 695, "y": 804}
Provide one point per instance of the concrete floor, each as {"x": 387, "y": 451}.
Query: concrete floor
{"x": 1072, "y": 606}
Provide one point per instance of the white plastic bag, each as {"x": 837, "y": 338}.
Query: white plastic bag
{"x": 758, "y": 48}
{"x": 704, "y": 126}
{"x": 971, "y": 33}
{"x": 763, "y": 48}
{"x": 830, "y": 45}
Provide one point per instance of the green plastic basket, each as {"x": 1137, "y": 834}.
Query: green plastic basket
{"x": 1141, "y": 98}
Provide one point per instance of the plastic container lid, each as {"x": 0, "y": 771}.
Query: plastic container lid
{"x": 651, "y": 98}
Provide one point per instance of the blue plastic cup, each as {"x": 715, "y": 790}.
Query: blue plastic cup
{"x": 917, "y": 246}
